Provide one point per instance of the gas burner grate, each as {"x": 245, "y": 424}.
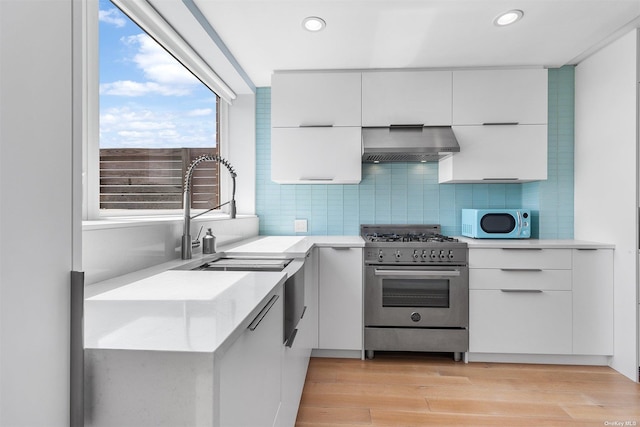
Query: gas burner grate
{"x": 408, "y": 238}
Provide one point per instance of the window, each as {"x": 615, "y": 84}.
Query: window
{"x": 155, "y": 118}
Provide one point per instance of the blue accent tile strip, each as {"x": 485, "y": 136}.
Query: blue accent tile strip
{"x": 409, "y": 193}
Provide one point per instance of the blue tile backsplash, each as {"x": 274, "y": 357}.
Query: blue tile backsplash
{"x": 409, "y": 193}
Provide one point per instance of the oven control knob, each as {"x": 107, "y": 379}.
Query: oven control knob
{"x": 451, "y": 256}
{"x": 380, "y": 255}
{"x": 398, "y": 255}
{"x": 416, "y": 255}
{"x": 415, "y": 316}
{"x": 442, "y": 255}
{"x": 433, "y": 255}
{"x": 425, "y": 255}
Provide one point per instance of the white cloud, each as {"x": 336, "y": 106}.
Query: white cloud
{"x": 133, "y": 126}
{"x": 112, "y": 16}
{"x": 131, "y": 88}
{"x": 199, "y": 112}
{"x": 158, "y": 65}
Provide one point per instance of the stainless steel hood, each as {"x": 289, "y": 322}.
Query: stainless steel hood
{"x": 408, "y": 143}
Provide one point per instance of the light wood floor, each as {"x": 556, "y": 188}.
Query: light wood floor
{"x": 406, "y": 390}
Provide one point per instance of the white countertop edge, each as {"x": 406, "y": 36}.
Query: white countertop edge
{"x": 533, "y": 244}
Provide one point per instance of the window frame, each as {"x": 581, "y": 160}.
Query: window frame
{"x": 150, "y": 22}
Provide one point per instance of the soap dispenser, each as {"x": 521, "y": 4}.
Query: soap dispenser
{"x": 209, "y": 243}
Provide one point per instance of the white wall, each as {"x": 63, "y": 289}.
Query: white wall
{"x": 606, "y": 179}
{"x": 36, "y": 214}
{"x": 241, "y": 150}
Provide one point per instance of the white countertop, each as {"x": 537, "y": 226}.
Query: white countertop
{"x": 533, "y": 244}
{"x": 198, "y": 311}
{"x": 291, "y": 246}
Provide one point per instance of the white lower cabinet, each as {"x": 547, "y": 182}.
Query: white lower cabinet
{"x": 340, "y": 323}
{"x": 544, "y": 301}
{"x": 593, "y": 301}
{"x": 532, "y": 322}
{"x": 250, "y": 373}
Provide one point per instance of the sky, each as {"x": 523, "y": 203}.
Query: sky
{"x": 147, "y": 98}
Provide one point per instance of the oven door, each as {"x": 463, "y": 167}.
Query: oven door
{"x": 418, "y": 297}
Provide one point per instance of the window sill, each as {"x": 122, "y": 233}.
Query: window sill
{"x": 142, "y": 221}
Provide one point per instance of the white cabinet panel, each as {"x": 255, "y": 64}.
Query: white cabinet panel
{"x": 316, "y": 155}
{"x": 406, "y": 97}
{"x": 340, "y": 299}
{"x": 499, "y": 96}
{"x": 316, "y": 99}
{"x": 520, "y": 258}
{"x": 512, "y": 153}
{"x": 513, "y": 322}
{"x": 250, "y": 373}
{"x": 593, "y": 301}
{"x": 520, "y": 279}
{"x": 295, "y": 360}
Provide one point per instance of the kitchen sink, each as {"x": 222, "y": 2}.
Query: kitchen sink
{"x": 243, "y": 264}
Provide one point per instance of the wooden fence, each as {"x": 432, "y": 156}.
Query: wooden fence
{"x": 152, "y": 178}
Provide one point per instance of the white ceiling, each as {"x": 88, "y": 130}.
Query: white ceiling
{"x": 267, "y": 35}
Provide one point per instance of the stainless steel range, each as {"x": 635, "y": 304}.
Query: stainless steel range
{"x": 416, "y": 290}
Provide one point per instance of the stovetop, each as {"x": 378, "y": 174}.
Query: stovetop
{"x": 404, "y": 233}
{"x": 404, "y": 243}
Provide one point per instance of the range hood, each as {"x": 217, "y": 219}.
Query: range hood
{"x": 408, "y": 143}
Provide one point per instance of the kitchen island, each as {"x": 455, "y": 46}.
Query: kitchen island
{"x": 167, "y": 346}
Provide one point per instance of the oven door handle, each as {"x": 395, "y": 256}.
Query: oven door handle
{"x": 417, "y": 273}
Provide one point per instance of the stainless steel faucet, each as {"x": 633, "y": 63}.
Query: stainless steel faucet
{"x": 186, "y": 199}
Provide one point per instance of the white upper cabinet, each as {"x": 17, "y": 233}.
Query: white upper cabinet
{"x": 500, "y": 121}
{"x": 492, "y": 154}
{"x": 406, "y": 97}
{"x": 316, "y": 99}
{"x": 316, "y": 155}
{"x": 315, "y": 128}
{"x": 500, "y": 96}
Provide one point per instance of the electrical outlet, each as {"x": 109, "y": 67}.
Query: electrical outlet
{"x": 300, "y": 225}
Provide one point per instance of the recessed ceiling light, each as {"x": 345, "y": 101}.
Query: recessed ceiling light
{"x": 508, "y": 18}
{"x": 313, "y": 23}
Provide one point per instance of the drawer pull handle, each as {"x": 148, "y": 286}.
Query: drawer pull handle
{"x": 263, "y": 313}
{"x": 521, "y": 269}
{"x": 521, "y": 249}
{"x": 522, "y": 291}
{"x": 500, "y": 123}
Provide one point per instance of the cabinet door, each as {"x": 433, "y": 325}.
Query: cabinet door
{"x": 295, "y": 360}
{"x": 250, "y": 373}
{"x": 316, "y": 99}
{"x": 497, "y": 154}
{"x": 499, "y": 96}
{"x": 516, "y": 322}
{"x": 406, "y": 97}
{"x": 340, "y": 299}
{"x": 593, "y": 301}
{"x": 316, "y": 155}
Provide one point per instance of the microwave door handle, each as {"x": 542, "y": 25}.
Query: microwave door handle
{"x": 519, "y": 223}
{"x": 421, "y": 273}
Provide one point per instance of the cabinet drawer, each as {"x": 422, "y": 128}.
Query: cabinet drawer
{"x": 520, "y": 258}
{"x": 520, "y": 279}
{"x": 528, "y": 323}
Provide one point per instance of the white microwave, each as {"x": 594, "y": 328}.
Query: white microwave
{"x": 496, "y": 223}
